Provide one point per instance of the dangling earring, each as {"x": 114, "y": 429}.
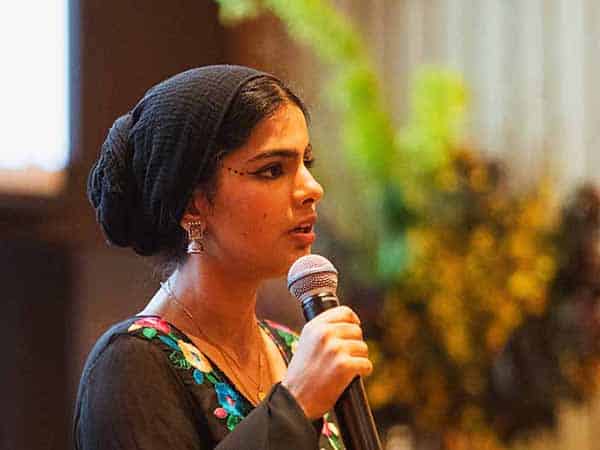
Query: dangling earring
{"x": 196, "y": 232}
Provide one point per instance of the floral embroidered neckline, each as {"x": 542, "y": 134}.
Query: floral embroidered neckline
{"x": 233, "y": 406}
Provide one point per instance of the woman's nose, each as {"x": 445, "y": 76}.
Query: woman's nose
{"x": 308, "y": 189}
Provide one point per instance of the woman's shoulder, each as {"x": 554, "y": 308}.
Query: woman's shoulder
{"x": 129, "y": 374}
{"x": 182, "y": 353}
{"x": 153, "y": 340}
{"x": 110, "y": 342}
{"x": 147, "y": 350}
{"x": 135, "y": 343}
{"x": 145, "y": 336}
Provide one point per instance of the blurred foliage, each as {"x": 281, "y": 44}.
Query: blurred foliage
{"x": 495, "y": 320}
{"x": 490, "y": 295}
{"x": 366, "y": 131}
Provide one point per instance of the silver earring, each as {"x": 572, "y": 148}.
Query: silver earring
{"x": 196, "y": 231}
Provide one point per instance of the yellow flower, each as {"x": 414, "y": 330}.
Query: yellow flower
{"x": 478, "y": 179}
{"x": 523, "y": 285}
{"x": 482, "y": 239}
{"x": 447, "y": 179}
{"x": 509, "y": 314}
{"x": 496, "y": 337}
{"x": 420, "y": 240}
{"x": 194, "y": 357}
{"x": 457, "y": 343}
{"x": 536, "y": 304}
{"x": 545, "y": 267}
{"x": 442, "y": 309}
{"x": 522, "y": 245}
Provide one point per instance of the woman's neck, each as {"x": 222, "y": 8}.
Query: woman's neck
{"x": 221, "y": 304}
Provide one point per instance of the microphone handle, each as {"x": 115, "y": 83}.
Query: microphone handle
{"x": 352, "y": 408}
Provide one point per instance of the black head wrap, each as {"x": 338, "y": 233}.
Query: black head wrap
{"x": 155, "y": 155}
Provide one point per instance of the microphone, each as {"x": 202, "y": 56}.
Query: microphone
{"x": 312, "y": 279}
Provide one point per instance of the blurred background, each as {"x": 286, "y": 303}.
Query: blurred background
{"x": 466, "y": 228}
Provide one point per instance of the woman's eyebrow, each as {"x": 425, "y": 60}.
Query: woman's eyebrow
{"x": 280, "y": 152}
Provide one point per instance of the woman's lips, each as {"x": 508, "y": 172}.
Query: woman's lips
{"x": 304, "y": 234}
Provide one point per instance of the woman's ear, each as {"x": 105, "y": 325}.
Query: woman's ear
{"x": 197, "y": 210}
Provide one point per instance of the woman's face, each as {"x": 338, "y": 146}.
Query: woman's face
{"x": 262, "y": 216}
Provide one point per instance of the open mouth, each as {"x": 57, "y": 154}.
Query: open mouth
{"x": 304, "y": 229}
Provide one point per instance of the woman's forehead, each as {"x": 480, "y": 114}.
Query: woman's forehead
{"x": 286, "y": 129}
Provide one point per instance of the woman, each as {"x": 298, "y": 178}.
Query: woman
{"x": 211, "y": 169}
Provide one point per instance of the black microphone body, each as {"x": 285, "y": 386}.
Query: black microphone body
{"x": 352, "y": 408}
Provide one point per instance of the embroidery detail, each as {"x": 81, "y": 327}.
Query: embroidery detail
{"x": 151, "y": 322}
{"x": 232, "y": 406}
{"x": 289, "y": 336}
{"x": 149, "y": 333}
{"x": 220, "y": 413}
{"x": 211, "y": 378}
{"x": 229, "y": 399}
{"x": 198, "y": 376}
{"x": 279, "y": 327}
{"x": 170, "y": 342}
{"x": 186, "y": 356}
{"x": 331, "y": 432}
{"x": 232, "y": 421}
{"x": 178, "y": 360}
{"x": 195, "y": 358}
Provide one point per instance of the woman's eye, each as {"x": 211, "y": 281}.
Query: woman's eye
{"x": 276, "y": 170}
{"x": 272, "y": 171}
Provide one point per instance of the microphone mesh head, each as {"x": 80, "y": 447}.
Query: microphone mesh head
{"x": 312, "y": 274}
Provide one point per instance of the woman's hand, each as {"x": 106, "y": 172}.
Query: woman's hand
{"x": 330, "y": 353}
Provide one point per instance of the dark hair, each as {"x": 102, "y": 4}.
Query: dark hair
{"x": 256, "y": 100}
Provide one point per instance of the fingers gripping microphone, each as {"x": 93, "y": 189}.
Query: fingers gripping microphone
{"x": 312, "y": 279}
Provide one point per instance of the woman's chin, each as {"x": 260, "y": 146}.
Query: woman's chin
{"x": 283, "y": 269}
{"x": 300, "y": 253}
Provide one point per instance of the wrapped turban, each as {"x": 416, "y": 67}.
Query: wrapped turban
{"x": 155, "y": 155}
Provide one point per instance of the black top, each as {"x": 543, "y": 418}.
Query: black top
{"x": 146, "y": 386}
